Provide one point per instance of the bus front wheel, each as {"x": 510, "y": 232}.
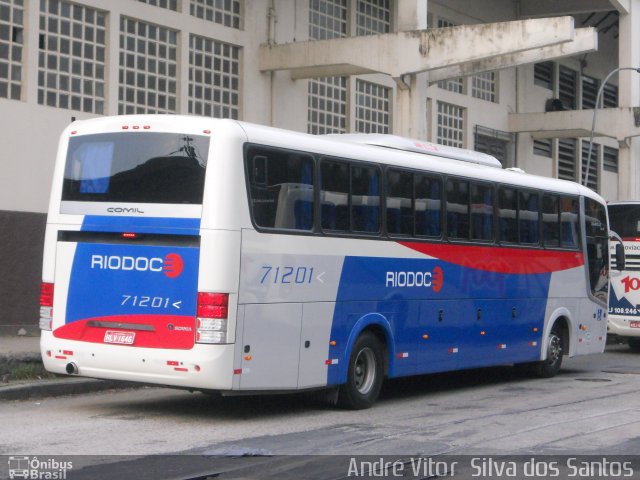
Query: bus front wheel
{"x": 555, "y": 350}
{"x": 364, "y": 374}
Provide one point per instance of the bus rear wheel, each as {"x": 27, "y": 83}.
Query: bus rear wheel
{"x": 364, "y": 374}
{"x": 555, "y": 350}
{"x": 634, "y": 344}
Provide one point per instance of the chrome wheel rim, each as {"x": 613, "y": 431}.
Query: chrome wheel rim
{"x": 364, "y": 370}
{"x": 554, "y": 351}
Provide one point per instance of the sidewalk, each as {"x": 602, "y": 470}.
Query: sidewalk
{"x": 23, "y": 353}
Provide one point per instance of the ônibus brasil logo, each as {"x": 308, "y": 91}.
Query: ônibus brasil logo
{"x": 171, "y": 265}
{"x": 405, "y": 279}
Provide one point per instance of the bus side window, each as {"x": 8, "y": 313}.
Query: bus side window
{"x": 334, "y": 195}
{"x": 481, "y": 212}
{"x": 281, "y": 188}
{"x": 399, "y": 210}
{"x": 570, "y": 232}
{"x": 550, "y": 221}
{"x": 428, "y": 205}
{"x": 528, "y": 216}
{"x": 365, "y": 199}
{"x": 458, "y": 209}
{"x": 508, "y": 215}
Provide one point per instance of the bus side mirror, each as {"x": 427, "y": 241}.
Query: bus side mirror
{"x": 620, "y": 258}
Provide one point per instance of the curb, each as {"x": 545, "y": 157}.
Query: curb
{"x": 57, "y": 388}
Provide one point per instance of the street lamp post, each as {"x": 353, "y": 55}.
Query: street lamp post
{"x": 595, "y": 112}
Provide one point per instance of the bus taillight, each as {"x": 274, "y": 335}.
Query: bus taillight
{"x": 211, "y": 321}
{"x": 46, "y": 305}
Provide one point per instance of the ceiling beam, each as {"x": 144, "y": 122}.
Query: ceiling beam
{"x": 552, "y": 8}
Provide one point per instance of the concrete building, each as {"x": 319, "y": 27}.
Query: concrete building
{"x": 514, "y": 78}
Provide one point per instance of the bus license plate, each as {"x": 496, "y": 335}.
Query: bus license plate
{"x": 122, "y": 338}
{"x": 634, "y": 324}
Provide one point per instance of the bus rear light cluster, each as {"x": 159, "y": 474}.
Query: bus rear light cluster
{"x": 46, "y": 305}
{"x": 211, "y": 321}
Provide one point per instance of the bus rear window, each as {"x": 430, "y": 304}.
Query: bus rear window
{"x": 141, "y": 167}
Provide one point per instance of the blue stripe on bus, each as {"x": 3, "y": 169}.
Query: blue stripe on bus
{"x": 463, "y": 318}
{"x": 175, "y": 226}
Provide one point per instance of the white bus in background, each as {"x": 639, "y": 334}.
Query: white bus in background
{"x": 624, "y": 297}
{"x": 222, "y": 256}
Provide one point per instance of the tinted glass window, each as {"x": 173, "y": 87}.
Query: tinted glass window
{"x": 136, "y": 167}
{"x": 458, "y": 209}
{"x": 597, "y": 235}
{"x": 569, "y": 226}
{"x": 334, "y": 195}
{"x": 508, "y": 215}
{"x": 625, "y": 220}
{"x": 399, "y": 202}
{"x": 281, "y": 188}
{"x": 481, "y": 212}
{"x": 528, "y": 221}
{"x": 550, "y": 221}
{"x": 365, "y": 199}
{"x": 428, "y": 205}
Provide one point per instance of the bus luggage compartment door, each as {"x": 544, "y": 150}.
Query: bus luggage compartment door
{"x": 271, "y": 346}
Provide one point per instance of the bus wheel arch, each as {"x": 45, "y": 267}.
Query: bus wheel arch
{"x": 367, "y": 363}
{"x": 556, "y": 345}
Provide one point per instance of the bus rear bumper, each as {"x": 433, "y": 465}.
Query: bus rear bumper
{"x": 622, "y": 326}
{"x": 202, "y": 367}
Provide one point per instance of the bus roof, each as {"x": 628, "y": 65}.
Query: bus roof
{"x": 357, "y": 147}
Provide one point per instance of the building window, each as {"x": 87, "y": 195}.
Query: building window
{"x": 373, "y": 17}
{"x": 567, "y": 87}
{"x": 543, "y": 74}
{"x": 327, "y": 19}
{"x": 327, "y": 104}
{"x": 450, "y": 125}
{"x": 11, "y": 41}
{"x": 227, "y": 12}
{"x": 372, "y": 107}
{"x": 71, "y": 60}
{"x": 327, "y": 97}
{"x": 148, "y": 68}
{"x": 610, "y": 159}
{"x": 592, "y": 180}
{"x": 168, "y": 4}
{"x": 214, "y": 78}
{"x": 567, "y": 159}
{"x": 483, "y": 86}
{"x": 610, "y": 96}
{"x": 590, "y": 87}
{"x": 543, "y": 147}
{"x": 455, "y": 85}
{"x": 499, "y": 144}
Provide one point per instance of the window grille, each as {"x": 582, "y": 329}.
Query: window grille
{"x": 543, "y": 74}
{"x": 483, "y": 86}
{"x": 373, "y": 17}
{"x": 610, "y": 159}
{"x": 567, "y": 159}
{"x": 222, "y": 12}
{"x": 543, "y": 147}
{"x": 11, "y": 43}
{"x": 450, "y": 125}
{"x": 168, "y": 4}
{"x": 372, "y": 107}
{"x": 567, "y": 87}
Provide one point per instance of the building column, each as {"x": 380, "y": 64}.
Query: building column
{"x": 629, "y": 96}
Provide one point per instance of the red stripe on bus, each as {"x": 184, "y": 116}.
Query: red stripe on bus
{"x": 500, "y": 259}
{"x": 151, "y": 331}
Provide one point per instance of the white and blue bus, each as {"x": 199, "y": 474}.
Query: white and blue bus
{"x": 624, "y": 297}
{"x": 222, "y": 256}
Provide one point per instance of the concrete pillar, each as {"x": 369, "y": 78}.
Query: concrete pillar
{"x": 629, "y": 96}
{"x": 411, "y": 15}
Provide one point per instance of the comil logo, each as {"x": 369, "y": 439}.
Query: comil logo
{"x": 406, "y": 279}
{"x": 171, "y": 265}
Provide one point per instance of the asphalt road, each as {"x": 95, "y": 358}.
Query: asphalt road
{"x": 591, "y": 407}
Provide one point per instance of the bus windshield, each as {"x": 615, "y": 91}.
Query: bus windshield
{"x": 144, "y": 167}
{"x": 625, "y": 220}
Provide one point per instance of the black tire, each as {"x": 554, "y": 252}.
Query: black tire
{"x": 555, "y": 350}
{"x": 364, "y": 375}
{"x": 634, "y": 344}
